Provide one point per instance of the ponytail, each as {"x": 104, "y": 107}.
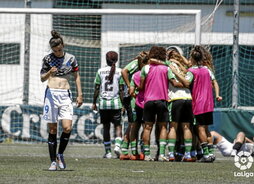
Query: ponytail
{"x": 197, "y": 54}
{"x": 112, "y": 58}
{"x": 112, "y": 72}
{"x": 56, "y": 39}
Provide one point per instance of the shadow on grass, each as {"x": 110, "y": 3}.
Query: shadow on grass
{"x": 66, "y": 170}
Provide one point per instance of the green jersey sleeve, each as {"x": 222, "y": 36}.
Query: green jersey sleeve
{"x": 167, "y": 62}
{"x": 144, "y": 71}
{"x": 171, "y": 75}
{"x": 97, "y": 79}
{"x": 121, "y": 81}
{"x": 132, "y": 67}
{"x": 132, "y": 83}
{"x": 189, "y": 76}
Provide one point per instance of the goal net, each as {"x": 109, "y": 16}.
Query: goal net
{"x": 88, "y": 34}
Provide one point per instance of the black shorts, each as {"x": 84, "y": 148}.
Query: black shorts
{"x": 180, "y": 111}
{"x": 127, "y": 106}
{"x": 157, "y": 109}
{"x": 204, "y": 119}
{"x": 110, "y": 116}
{"x": 138, "y": 115}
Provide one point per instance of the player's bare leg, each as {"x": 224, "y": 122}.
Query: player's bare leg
{"x": 162, "y": 141}
{"x": 187, "y": 141}
{"x": 172, "y": 141}
{"x": 146, "y": 139}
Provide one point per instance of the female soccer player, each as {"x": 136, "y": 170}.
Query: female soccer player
{"x": 139, "y": 106}
{"x": 155, "y": 79}
{"x": 241, "y": 143}
{"x": 180, "y": 110}
{"x": 57, "y": 68}
{"x": 208, "y": 62}
{"x": 127, "y": 73}
{"x": 109, "y": 85}
{"x": 199, "y": 78}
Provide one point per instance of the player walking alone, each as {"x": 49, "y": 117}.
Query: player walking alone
{"x": 56, "y": 69}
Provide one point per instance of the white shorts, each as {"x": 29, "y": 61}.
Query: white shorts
{"x": 225, "y": 147}
{"x": 57, "y": 105}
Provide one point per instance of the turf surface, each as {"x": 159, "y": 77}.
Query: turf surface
{"x": 28, "y": 163}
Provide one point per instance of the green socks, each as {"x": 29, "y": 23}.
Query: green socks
{"x": 188, "y": 145}
{"x": 125, "y": 147}
{"x": 171, "y": 145}
{"x": 147, "y": 149}
{"x": 163, "y": 143}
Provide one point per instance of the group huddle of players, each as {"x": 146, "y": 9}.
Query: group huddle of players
{"x": 159, "y": 89}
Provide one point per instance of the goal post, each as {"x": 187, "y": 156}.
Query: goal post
{"x": 115, "y": 12}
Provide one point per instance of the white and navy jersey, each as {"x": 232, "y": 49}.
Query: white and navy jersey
{"x": 109, "y": 91}
{"x": 65, "y": 65}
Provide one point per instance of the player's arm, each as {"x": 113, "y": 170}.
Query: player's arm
{"x": 158, "y": 62}
{"x": 129, "y": 69}
{"x": 125, "y": 74}
{"x": 215, "y": 86}
{"x": 97, "y": 82}
{"x": 132, "y": 88}
{"x": 176, "y": 84}
{"x": 75, "y": 71}
{"x": 217, "y": 90}
{"x": 143, "y": 74}
{"x": 79, "y": 100}
{"x": 248, "y": 140}
{"x": 186, "y": 83}
{"x": 180, "y": 65}
{"x": 47, "y": 70}
{"x": 186, "y": 61}
{"x": 121, "y": 89}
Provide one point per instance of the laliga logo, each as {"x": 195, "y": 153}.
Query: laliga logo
{"x": 243, "y": 160}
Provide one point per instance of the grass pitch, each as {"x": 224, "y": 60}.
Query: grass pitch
{"x": 28, "y": 163}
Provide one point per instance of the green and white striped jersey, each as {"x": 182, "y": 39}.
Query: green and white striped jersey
{"x": 109, "y": 92}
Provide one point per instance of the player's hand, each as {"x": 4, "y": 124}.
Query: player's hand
{"x": 53, "y": 70}
{"x": 218, "y": 98}
{"x": 175, "y": 61}
{"x": 133, "y": 95}
{"x": 123, "y": 111}
{"x": 79, "y": 101}
{"x": 173, "y": 69}
{"x": 94, "y": 107}
{"x": 129, "y": 88}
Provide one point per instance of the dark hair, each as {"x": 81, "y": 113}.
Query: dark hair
{"x": 158, "y": 53}
{"x": 208, "y": 59}
{"x": 197, "y": 54}
{"x": 142, "y": 59}
{"x": 173, "y": 54}
{"x": 56, "y": 39}
{"x": 111, "y": 58}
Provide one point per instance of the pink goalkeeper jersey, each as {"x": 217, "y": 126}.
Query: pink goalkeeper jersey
{"x": 156, "y": 82}
{"x": 140, "y": 96}
{"x": 202, "y": 91}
